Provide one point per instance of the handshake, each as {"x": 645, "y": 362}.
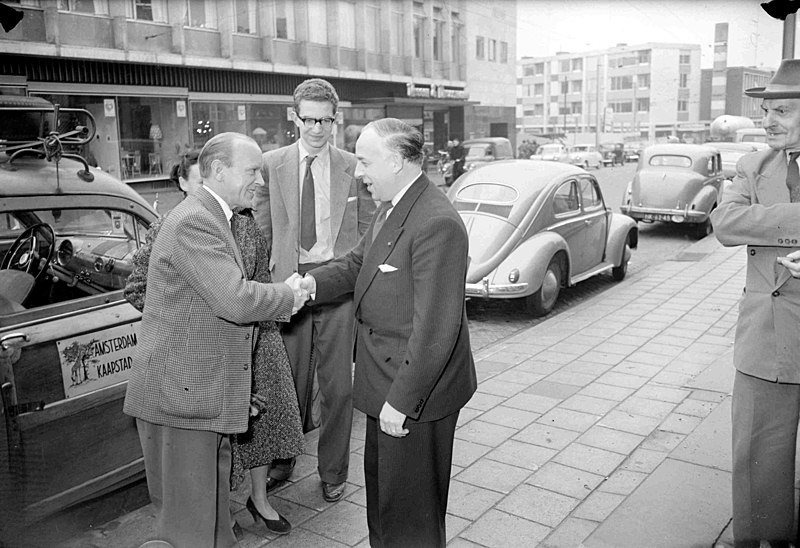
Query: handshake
{"x": 303, "y": 288}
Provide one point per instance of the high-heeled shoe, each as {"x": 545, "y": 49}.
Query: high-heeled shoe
{"x": 278, "y": 526}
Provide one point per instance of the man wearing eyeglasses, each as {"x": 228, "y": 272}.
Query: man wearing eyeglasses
{"x": 314, "y": 209}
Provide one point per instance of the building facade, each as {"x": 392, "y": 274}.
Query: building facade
{"x": 163, "y": 76}
{"x": 647, "y": 91}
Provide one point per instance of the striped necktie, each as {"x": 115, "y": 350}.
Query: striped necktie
{"x": 793, "y": 177}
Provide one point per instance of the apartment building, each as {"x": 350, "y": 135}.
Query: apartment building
{"x": 163, "y": 76}
{"x": 645, "y": 91}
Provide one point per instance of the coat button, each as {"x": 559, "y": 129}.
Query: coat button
{"x": 370, "y": 331}
{"x": 247, "y": 337}
{"x": 245, "y": 367}
{"x": 752, "y": 252}
{"x": 776, "y": 293}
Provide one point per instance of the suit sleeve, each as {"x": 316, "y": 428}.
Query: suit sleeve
{"x": 338, "y": 277}
{"x": 439, "y": 266}
{"x": 741, "y": 220}
{"x": 202, "y": 257}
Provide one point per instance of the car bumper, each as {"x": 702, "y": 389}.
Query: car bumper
{"x": 659, "y": 214}
{"x": 486, "y": 290}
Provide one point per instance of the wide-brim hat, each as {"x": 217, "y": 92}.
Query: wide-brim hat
{"x": 785, "y": 84}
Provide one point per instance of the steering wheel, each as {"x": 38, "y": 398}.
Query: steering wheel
{"x": 26, "y": 252}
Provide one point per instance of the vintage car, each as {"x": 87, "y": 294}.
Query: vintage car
{"x": 478, "y": 152}
{"x": 551, "y": 152}
{"x": 585, "y": 156}
{"x": 730, "y": 154}
{"x": 632, "y": 151}
{"x": 613, "y": 154}
{"x": 676, "y": 183}
{"x": 535, "y": 227}
{"x": 67, "y": 236}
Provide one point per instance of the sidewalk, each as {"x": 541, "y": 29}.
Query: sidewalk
{"x": 607, "y": 425}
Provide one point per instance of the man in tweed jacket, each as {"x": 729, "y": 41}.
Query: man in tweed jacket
{"x": 190, "y": 382}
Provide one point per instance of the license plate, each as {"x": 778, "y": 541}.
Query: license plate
{"x": 657, "y": 217}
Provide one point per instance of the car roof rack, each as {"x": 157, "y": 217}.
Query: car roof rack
{"x": 33, "y": 125}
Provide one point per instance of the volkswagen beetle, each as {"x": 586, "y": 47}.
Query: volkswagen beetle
{"x": 535, "y": 227}
{"x": 676, "y": 183}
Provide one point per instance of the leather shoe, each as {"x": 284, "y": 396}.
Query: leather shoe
{"x": 278, "y": 526}
{"x": 273, "y": 484}
{"x": 332, "y": 492}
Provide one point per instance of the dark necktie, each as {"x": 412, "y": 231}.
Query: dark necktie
{"x": 380, "y": 218}
{"x": 308, "y": 217}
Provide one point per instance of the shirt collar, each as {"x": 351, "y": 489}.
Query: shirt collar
{"x": 403, "y": 190}
{"x": 226, "y": 209}
{"x": 320, "y": 155}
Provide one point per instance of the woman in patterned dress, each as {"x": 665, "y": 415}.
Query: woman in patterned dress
{"x": 275, "y": 431}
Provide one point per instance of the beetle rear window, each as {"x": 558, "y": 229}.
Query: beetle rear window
{"x": 488, "y": 192}
{"x": 670, "y": 160}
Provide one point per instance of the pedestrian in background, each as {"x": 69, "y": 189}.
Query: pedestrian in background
{"x": 761, "y": 209}
{"x": 190, "y": 383}
{"x": 457, "y": 156}
{"x": 414, "y": 367}
{"x": 313, "y": 197}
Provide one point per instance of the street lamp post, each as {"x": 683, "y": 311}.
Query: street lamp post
{"x": 564, "y": 110}
{"x": 785, "y": 10}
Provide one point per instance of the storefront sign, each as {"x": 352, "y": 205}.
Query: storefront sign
{"x": 180, "y": 109}
{"x": 110, "y": 108}
{"x": 435, "y": 92}
{"x": 241, "y": 111}
{"x": 96, "y": 360}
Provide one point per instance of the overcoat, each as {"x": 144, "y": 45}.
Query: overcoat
{"x": 191, "y": 368}
{"x": 755, "y": 211}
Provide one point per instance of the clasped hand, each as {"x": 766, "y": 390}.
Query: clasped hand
{"x": 303, "y": 288}
{"x": 792, "y": 263}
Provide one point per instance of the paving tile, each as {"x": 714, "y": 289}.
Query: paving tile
{"x": 644, "y": 460}
{"x": 671, "y": 378}
{"x": 560, "y": 358}
{"x": 690, "y": 367}
{"x": 696, "y": 408}
{"x": 710, "y": 443}
{"x": 467, "y": 414}
{"x": 635, "y": 424}
{"x": 469, "y": 501}
{"x": 622, "y": 482}
{"x": 647, "y": 408}
{"x": 546, "y": 436}
{"x": 598, "y": 506}
{"x": 532, "y": 402}
{"x": 478, "y": 431}
{"x": 606, "y": 391}
{"x": 654, "y": 347}
{"x": 680, "y": 424}
{"x": 568, "y": 419}
{"x": 497, "y": 529}
{"x": 649, "y": 358}
{"x": 569, "y": 534}
{"x": 638, "y": 369}
{"x": 586, "y": 367}
{"x": 604, "y": 358}
{"x": 588, "y": 404}
{"x": 307, "y": 539}
{"x": 357, "y": 496}
{"x": 523, "y": 455}
{"x": 612, "y": 347}
{"x": 553, "y": 390}
{"x": 509, "y": 416}
{"x": 458, "y": 542}
{"x": 467, "y": 452}
{"x": 572, "y": 378}
{"x": 611, "y": 440}
{"x": 511, "y": 358}
{"x": 483, "y": 401}
{"x": 565, "y": 480}
{"x": 663, "y": 441}
{"x": 538, "y": 367}
{"x": 623, "y": 380}
{"x": 343, "y": 522}
{"x": 662, "y": 393}
{"x": 591, "y": 459}
{"x": 494, "y": 475}
{"x": 454, "y": 525}
{"x": 539, "y": 505}
{"x": 519, "y": 376}
{"x": 500, "y": 388}
{"x": 490, "y": 367}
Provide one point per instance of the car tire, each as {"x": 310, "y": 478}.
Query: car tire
{"x": 619, "y": 272}
{"x": 701, "y": 230}
{"x": 542, "y": 302}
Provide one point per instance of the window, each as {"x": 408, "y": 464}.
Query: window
{"x": 563, "y": 65}
{"x": 683, "y": 80}
{"x": 683, "y": 105}
{"x": 284, "y": 19}
{"x": 621, "y": 82}
{"x": 577, "y": 65}
{"x": 685, "y": 57}
{"x": 621, "y": 106}
{"x": 538, "y": 90}
{"x": 565, "y": 200}
{"x": 504, "y": 52}
{"x": 576, "y": 107}
{"x": 245, "y": 16}
{"x": 669, "y": 160}
{"x": 643, "y": 80}
{"x": 528, "y": 112}
{"x": 527, "y": 70}
{"x": 538, "y": 68}
{"x": 643, "y": 105}
{"x": 143, "y": 10}
{"x": 589, "y": 195}
{"x": 438, "y": 34}
{"x": 492, "y": 50}
{"x": 643, "y": 57}
{"x": 347, "y": 25}
{"x": 455, "y": 39}
{"x": 98, "y": 7}
{"x": 317, "y": 22}
{"x": 197, "y": 13}
{"x": 479, "y": 47}
{"x": 538, "y": 110}
{"x": 419, "y": 32}
{"x": 398, "y": 31}
{"x": 576, "y": 86}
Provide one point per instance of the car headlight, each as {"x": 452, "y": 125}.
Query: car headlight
{"x": 469, "y": 166}
{"x": 513, "y": 276}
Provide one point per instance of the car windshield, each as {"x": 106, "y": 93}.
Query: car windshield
{"x": 550, "y": 149}
{"x": 479, "y": 150}
{"x": 580, "y": 149}
{"x": 670, "y": 160}
{"x": 488, "y": 192}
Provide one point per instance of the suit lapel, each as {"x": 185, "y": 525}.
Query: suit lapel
{"x": 385, "y": 242}
{"x": 340, "y": 190}
{"x": 211, "y": 204}
{"x": 771, "y": 180}
{"x": 289, "y": 185}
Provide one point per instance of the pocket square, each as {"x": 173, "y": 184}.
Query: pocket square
{"x": 352, "y": 199}
{"x": 386, "y": 268}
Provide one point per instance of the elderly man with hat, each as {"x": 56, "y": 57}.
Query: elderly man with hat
{"x": 761, "y": 209}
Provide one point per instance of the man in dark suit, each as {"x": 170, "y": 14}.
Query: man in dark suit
{"x": 761, "y": 209}
{"x": 190, "y": 382}
{"x": 321, "y": 210}
{"x": 414, "y": 366}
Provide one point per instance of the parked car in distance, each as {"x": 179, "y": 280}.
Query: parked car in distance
{"x": 535, "y": 227}
{"x": 68, "y": 233}
{"x": 585, "y": 156}
{"x": 632, "y": 151}
{"x": 752, "y": 135}
{"x": 552, "y": 152}
{"x": 676, "y": 183}
{"x": 730, "y": 154}
{"x": 478, "y": 152}
{"x": 613, "y": 154}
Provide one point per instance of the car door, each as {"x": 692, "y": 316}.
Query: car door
{"x": 595, "y": 221}
{"x": 64, "y": 360}
{"x": 569, "y": 222}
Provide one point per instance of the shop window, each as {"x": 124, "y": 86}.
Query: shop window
{"x": 266, "y": 123}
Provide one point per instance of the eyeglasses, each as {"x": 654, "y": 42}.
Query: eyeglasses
{"x": 310, "y": 123}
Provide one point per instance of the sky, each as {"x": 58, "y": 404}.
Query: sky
{"x": 545, "y": 27}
